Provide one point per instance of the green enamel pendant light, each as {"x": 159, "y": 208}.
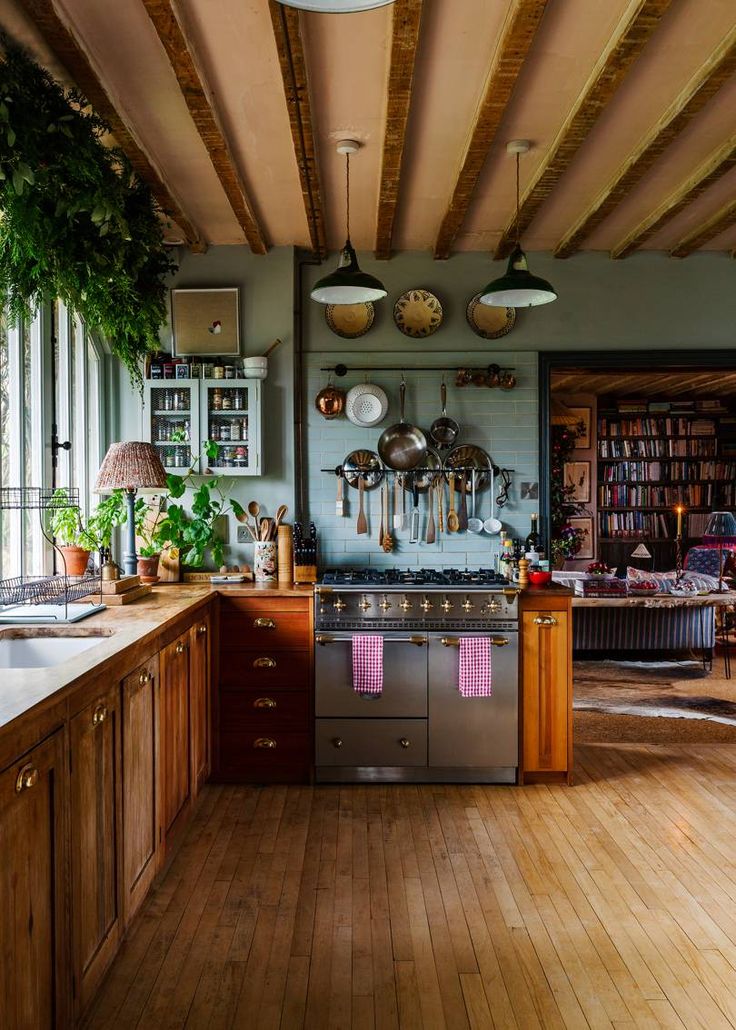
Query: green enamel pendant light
{"x": 347, "y": 284}
{"x": 518, "y": 288}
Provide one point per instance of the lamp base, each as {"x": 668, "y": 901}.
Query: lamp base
{"x": 130, "y": 558}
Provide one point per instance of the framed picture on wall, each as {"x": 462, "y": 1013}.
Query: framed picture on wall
{"x": 206, "y": 321}
{"x": 577, "y": 478}
{"x": 585, "y": 523}
{"x": 582, "y": 415}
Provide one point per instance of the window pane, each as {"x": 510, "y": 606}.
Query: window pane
{"x": 4, "y": 441}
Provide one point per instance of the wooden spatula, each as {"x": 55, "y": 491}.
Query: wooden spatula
{"x": 339, "y": 502}
{"x": 431, "y": 530}
{"x": 453, "y": 522}
{"x": 362, "y": 526}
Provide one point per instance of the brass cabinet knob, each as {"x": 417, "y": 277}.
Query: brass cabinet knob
{"x": 364, "y": 604}
{"x": 405, "y": 605}
{"x": 264, "y": 623}
{"x": 264, "y": 702}
{"x": 26, "y": 778}
{"x": 99, "y": 715}
{"x": 337, "y": 742}
{"x": 384, "y": 604}
{"x": 264, "y": 663}
{"x": 264, "y": 743}
{"x": 201, "y": 630}
{"x": 144, "y": 678}
{"x": 545, "y": 620}
{"x": 446, "y": 606}
{"x": 404, "y": 742}
{"x": 338, "y": 604}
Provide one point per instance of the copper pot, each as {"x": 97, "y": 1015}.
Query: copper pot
{"x": 330, "y": 402}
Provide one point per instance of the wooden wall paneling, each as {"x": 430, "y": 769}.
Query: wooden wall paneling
{"x": 405, "y": 27}
{"x": 518, "y": 34}
{"x": 710, "y": 76}
{"x": 62, "y": 41}
{"x": 637, "y": 26}
{"x": 198, "y": 100}
{"x": 290, "y": 50}
{"x": 96, "y": 803}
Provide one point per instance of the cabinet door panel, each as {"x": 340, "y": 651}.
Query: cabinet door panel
{"x": 546, "y": 691}
{"x": 34, "y": 991}
{"x": 199, "y": 694}
{"x": 95, "y": 808}
{"x": 140, "y": 731}
{"x": 175, "y": 730}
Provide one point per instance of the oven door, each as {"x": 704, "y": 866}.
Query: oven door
{"x": 404, "y": 678}
{"x": 477, "y": 732}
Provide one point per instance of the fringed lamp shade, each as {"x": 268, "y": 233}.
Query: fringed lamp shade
{"x": 561, "y": 414}
{"x": 132, "y": 465}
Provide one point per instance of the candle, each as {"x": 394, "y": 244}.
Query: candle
{"x": 679, "y": 509}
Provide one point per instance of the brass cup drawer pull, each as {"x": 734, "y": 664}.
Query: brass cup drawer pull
{"x": 264, "y": 702}
{"x": 264, "y": 663}
{"x": 264, "y": 743}
{"x": 99, "y": 715}
{"x": 545, "y": 620}
{"x": 26, "y": 778}
{"x": 264, "y": 623}
{"x": 404, "y": 742}
{"x": 145, "y": 677}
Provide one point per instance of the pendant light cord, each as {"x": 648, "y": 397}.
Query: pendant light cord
{"x": 347, "y": 192}
{"x": 518, "y": 234}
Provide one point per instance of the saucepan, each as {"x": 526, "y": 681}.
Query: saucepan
{"x": 402, "y": 446}
{"x": 444, "y": 430}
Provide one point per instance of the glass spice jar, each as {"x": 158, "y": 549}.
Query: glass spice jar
{"x": 217, "y": 399}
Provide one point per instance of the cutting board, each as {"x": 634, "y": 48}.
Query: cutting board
{"x": 127, "y": 598}
{"x": 119, "y": 586}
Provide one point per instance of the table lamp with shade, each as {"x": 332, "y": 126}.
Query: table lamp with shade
{"x": 721, "y": 526}
{"x": 131, "y": 466}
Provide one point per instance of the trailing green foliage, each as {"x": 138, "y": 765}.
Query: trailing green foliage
{"x": 75, "y": 221}
{"x": 69, "y": 529}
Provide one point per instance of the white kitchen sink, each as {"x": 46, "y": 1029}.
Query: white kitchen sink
{"x": 43, "y": 652}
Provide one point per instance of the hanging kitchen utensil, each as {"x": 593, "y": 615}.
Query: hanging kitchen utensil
{"x": 431, "y": 529}
{"x": 440, "y": 487}
{"x": 362, "y": 525}
{"x": 444, "y": 430}
{"x": 330, "y": 402}
{"x": 402, "y": 445}
{"x": 503, "y": 497}
{"x": 487, "y": 321}
{"x": 418, "y": 313}
{"x": 388, "y": 539}
{"x": 382, "y": 527}
{"x": 339, "y": 501}
{"x": 431, "y": 465}
{"x": 492, "y": 525}
{"x": 398, "y": 498}
{"x": 463, "y": 513}
{"x": 365, "y": 466}
{"x": 366, "y": 405}
{"x": 453, "y": 522}
{"x": 469, "y": 456}
{"x": 414, "y": 518}
{"x": 475, "y": 525}
{"x": 350, "y": 320}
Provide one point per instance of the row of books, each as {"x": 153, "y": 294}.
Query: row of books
{"x": 677, "y": 404}
{"x": 657, "y": 427}
{"x": 653, "y": 471}
{"x": 693, "y": 495}
{"x": 656, "y": 448}
{"x": 634, "y": 524}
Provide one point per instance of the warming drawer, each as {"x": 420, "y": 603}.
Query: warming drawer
{"x": 371, "y": 742}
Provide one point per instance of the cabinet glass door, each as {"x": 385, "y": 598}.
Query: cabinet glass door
{"x": 172, "y": 416}
{"x": 231, "y": 413}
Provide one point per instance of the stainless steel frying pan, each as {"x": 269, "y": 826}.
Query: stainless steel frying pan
{"x": 402, "y": 446}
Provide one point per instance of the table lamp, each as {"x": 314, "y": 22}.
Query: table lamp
{"x": 131, "y": 466}
{"x": 721, "y": 525}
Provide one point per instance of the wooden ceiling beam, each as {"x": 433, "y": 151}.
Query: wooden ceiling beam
{"x": 69, "y": 52}
{"x": 406, "y": 22}
{"x": 290, "y": 49}
{"x": 693, "y": 187}
{"x": 198, "y": 99}
{"x": 513, "y": 46}
{"x": 637, "y": 25}
{"x": 716, "y": 224}
{"x": 704, "y": 85}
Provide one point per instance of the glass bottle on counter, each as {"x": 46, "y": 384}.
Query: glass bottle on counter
{"x": 532, "y": 541}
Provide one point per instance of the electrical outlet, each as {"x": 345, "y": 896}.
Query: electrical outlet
{"x": 244, "y": 536}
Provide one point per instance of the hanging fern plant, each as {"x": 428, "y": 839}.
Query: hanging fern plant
{"x": 75, "y": 222}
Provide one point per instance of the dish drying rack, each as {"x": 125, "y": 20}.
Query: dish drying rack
{"x": 50, "y": 596}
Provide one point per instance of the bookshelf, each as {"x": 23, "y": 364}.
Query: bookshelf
{"x": 654, "y": 455}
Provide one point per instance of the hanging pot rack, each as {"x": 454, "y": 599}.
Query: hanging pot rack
{"x": 341, "y": 370}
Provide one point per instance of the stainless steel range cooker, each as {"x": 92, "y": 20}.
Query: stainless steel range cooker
{"x": 420, "y": 728}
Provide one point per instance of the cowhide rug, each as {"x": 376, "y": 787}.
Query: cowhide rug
{"x": 654, "y": 690}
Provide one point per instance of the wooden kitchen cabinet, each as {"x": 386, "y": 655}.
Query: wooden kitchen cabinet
{"x": 140, "y": 783}
{"x": 175, "y": 737}
{"x": 546, "y": 657}
{"x": 34, "y": 979}
{"x": 200, "y": 636}
{"x": 95, "y": 767}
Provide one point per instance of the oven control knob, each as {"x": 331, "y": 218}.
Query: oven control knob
{"x": 405, "y": 605}
{"x": 384, "y": 604}
{"x": 364, "y": 604}
{"x": 467, "y": 605}
{"x": 491, "y": 608}
{"x": 338, "y": 604}
{"x": 426, "y": 605}
{"x": 446, "y": 606}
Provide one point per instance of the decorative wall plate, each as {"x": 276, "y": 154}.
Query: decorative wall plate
{"x": 487, "y": 321}
{"x": 350, "y": 320}
{"x": 418, "y": 313}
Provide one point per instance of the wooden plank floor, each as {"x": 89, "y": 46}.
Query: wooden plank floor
{"x": 609, "y": 904}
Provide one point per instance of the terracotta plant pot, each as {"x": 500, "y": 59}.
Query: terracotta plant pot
{"x": 75, "y": 560}
{"x": 148, "y": 569}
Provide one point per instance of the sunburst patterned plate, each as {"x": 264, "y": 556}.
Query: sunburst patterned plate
{"x": 487, "y": 321}
{"x": 350, "y": 320}
{"x": 418, "y": 313}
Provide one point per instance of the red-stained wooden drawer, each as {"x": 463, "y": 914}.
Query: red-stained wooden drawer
{"x": 262, "y": 627}
{"x": 278, "y": 757}
{"x": 265, "y": 712}
{"x": 265, "y": 669}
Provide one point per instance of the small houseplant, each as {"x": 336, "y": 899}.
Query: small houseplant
{"x": 73, "y": 538}
{"x": 148, "y": 519}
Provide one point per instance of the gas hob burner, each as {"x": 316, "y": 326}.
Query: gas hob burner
{"x": 413, "y": 577}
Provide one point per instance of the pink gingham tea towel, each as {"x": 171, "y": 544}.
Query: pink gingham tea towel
{"x": 474, "y": 672}
{"x": 368, "y": 663}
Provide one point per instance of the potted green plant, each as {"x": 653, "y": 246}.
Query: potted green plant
{"x": 72, "y": 537}
{"x": 107, "y": 516}
{"x": 148, "y": 518}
